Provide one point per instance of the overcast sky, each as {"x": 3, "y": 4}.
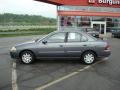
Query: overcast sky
{"x": 27, "y": 7}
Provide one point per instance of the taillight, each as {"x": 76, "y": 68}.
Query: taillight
{"x": 107, "y": 47}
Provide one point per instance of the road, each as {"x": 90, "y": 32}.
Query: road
{"x": 58, "y": 74}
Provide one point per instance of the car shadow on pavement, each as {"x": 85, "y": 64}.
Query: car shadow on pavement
{"x": 59, "y": 61}
{"x": 52, "y": 61}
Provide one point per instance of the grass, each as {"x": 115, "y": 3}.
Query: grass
{"x": 17, "y": 32}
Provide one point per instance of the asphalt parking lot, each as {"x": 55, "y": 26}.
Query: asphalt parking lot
{"x": 58, "y": 74}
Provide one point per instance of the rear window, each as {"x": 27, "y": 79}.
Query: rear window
{"x": 84, "y": 39}
{"x": 90, "y": 37}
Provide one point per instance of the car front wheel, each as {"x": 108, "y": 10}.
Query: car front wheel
{"x": 27, "y": 57}
{"x": 88, "y": 57}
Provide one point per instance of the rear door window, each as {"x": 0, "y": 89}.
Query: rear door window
{"x": 74, "y": 37}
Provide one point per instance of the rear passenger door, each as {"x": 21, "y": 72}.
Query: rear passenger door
{"x": 76, "y": 43}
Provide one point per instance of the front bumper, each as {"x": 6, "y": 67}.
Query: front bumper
{"x": 14, "y": 55}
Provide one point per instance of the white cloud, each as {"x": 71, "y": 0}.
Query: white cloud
{"x": 27, "y": 7}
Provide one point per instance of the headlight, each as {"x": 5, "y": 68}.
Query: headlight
{"x": 13, "y": 49}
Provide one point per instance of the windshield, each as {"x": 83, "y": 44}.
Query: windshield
{"x": 39, "y": 39}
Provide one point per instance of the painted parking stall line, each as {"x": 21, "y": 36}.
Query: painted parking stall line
{"x": 56, "y": 81}
{"x": 14, "y": 77}
{"x": 66, "y": 77}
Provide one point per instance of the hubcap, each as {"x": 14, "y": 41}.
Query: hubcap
{"x": 27, "y": 58}
{"x": 89, "y": 58}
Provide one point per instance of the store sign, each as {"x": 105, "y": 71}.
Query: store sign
{"x": 110, "y": 2}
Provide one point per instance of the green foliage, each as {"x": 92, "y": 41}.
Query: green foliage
{"x": 17, "y": 32}
{"x": 14, "y": 19}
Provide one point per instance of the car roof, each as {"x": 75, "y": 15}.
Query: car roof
{"x": 78, "y": 31}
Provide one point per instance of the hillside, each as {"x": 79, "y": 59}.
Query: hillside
{"x": 15, "y": 19}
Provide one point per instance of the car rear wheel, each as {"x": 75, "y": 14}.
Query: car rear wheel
{"x": 88, "y": 57}
{"x": 27, "y": 57}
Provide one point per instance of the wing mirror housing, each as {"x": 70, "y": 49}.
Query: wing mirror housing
{"x": 44, "y": 42}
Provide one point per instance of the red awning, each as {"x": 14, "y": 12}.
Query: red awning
{"x": 85, "y": 13}
{"x": 50, "y": 2}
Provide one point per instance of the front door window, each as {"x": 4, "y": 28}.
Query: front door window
{"x": 56, "y": 38}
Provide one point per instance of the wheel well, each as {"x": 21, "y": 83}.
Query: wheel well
{"x": 24, "y": 51}
{"x": 89, "y": 51}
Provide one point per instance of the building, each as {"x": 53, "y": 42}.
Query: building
{"x": 103, "y": 15}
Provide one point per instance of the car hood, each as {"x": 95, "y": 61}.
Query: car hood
{"x": 25, "y": 43}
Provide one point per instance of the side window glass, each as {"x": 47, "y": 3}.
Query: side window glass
{"x": 74, "y": 37}
{"x": 56, "y": 38}
{"x": 84, "y": 39}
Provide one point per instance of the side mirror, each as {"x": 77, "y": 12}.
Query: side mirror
{"x": 44, "y": 42}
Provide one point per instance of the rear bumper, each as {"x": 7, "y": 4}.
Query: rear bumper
{"x": 105, "y": 53}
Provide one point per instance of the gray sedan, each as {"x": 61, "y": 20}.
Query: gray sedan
{"x": 62, "y": 44}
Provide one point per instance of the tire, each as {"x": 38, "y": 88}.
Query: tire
{"x": 27, "y": 57}
{"x": 88, "y": 57}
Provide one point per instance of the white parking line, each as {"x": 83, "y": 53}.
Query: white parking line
{"x": 65, "y": 77}
{"x": 14, "y": 77}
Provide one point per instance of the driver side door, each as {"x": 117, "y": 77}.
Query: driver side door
{"x": 53, "y": 46}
